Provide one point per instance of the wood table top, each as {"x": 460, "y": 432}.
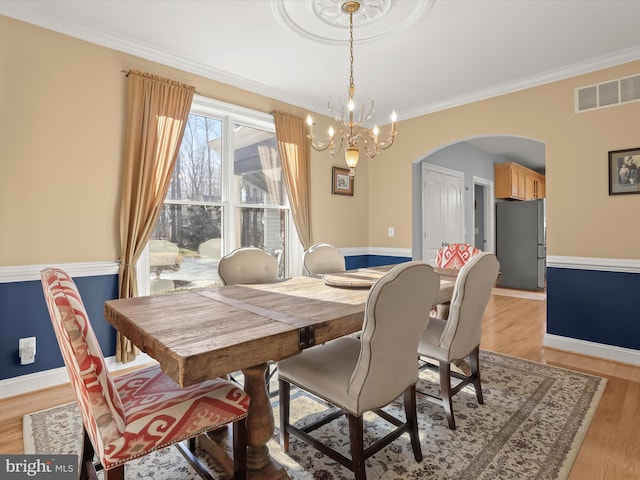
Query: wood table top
{"x": 202, "y": 334}
{"x": 366, "y": 277}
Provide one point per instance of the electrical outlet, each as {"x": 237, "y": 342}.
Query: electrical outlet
{"x": 391, "y": 232}
{"x": 27, "y": 350}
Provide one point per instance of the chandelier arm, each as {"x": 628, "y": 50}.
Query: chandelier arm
{"x": 335, "y": 151}
{"x": 320, "y": 146}
{"x": 370, "y": 148}
{"x": 388, "y": 143}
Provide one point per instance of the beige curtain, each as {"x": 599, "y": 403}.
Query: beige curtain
{"x": 295, "y": 155}
{"x": 272, "y": 173}
{"x": 157, "y": 112}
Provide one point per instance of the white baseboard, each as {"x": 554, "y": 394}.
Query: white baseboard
{"x": 609, "y": 352}
{"x": 58, "y": 376}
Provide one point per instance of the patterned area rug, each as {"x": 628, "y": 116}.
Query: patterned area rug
{"x": 531, "y": 427}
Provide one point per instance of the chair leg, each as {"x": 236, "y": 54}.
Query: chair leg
{"x": 86, "y": 463}
{"x": 240, "y": 449}
{"x": 474, "y": 362}
{"x": 285, "y": 402}
{"x": 356, "y": 435}
{"x": 445, "y": 390}
{"x": 115, "y": 473}
{"x": 412, "y": 421}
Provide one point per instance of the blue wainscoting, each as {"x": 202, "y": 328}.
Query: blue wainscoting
{"x": 23, "y": 313}
{"x": 593, "y": 301}
{"x": 594, "y": 305}
{"x": 362, "y": 261}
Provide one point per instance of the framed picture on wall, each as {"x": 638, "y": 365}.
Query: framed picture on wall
{"x": 624, "y": 171}
{"x": 341, "y": 183}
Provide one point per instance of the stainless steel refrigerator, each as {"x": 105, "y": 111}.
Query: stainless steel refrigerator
{"x": 521, "y": 244}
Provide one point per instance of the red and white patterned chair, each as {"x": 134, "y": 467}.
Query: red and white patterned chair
{"x": 453, "y": 255}
{"x": 131, "y": 415}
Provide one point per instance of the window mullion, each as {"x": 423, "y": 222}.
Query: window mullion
{"x": 229, "y": 211}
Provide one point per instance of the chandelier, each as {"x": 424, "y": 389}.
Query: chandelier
{"x": 351, "y": 134}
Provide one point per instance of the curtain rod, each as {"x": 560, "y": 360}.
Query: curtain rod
{"x": 127, "y": 72}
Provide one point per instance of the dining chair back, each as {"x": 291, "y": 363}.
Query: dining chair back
{"x": 458, "y": 336}
{"x": 366, "y": 374}
{"x": 133, "y": 414}
{"x": 455, "y": 255}
{"x": 323, "y": 258}
{"x": 248, "y": 265}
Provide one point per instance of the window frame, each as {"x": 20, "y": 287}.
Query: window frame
{"x": 231, "y": 115}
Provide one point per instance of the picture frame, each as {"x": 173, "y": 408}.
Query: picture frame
{"x": 341, "y": 182}
{"x": 624, "y": 171}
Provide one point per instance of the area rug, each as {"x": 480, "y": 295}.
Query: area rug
{"x": 531, "y": 427}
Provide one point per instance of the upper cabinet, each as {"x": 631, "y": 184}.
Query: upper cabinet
{"x": 517, "y": 182}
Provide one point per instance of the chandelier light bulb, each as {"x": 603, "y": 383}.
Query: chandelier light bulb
{"x": 351, "y": 106}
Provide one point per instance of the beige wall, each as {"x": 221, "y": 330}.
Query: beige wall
{"x": 582, "y": 219}
{"x": 62, "y": 111}
{"x": 62, "y": 108}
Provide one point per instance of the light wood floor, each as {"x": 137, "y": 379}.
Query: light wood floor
{"x": 513, "y": 326}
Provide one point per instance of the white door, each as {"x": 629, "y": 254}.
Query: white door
{"x": 442, "y": 209}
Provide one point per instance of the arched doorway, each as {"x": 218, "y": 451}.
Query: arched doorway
{"x": 474, "y": 157}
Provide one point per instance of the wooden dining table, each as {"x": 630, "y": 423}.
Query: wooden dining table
{"x": 202, "y": 334}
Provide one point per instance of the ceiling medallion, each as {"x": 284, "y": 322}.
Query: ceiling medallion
{"x": 324, "y": 21}
{"x": 332, "y": 12}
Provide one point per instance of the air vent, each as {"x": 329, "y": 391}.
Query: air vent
{"x": 607, "y": 94}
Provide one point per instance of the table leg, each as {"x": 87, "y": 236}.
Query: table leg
{"x": 260, "y": 427}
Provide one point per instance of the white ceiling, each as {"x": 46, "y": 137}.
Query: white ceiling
{"x": 423, "y": 56}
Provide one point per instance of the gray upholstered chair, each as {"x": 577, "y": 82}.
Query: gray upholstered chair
{"x": 322, "y": 258}
{"x": 248, "y": 265}
{"x": 458, "y": 337}
{"x": 365, "y": 375}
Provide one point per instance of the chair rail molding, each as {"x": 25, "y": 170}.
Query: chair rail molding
{"x": 593, "y": 263}
{"x": 26, "y": 273}
{"x": 382, "y": 251}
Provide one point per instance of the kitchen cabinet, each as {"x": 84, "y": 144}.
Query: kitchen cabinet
{"x": 517, "y": 182}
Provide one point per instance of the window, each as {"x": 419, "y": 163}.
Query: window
{"x": 227, "y": 191}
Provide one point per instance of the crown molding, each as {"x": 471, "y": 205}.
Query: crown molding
{"x": 28, "y": 12}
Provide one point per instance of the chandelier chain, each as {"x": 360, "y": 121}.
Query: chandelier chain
{"x": 351, "y": 83}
